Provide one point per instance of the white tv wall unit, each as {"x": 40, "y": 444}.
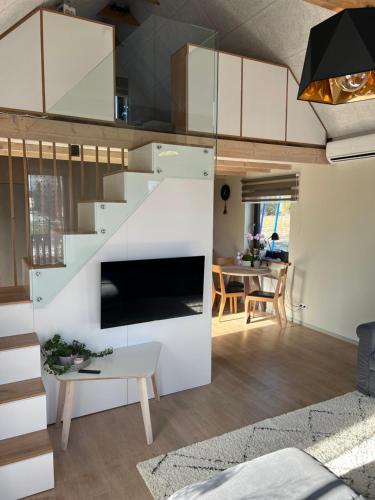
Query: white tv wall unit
{"x": 254, "y": 99}
{"x": 61, "y": 66}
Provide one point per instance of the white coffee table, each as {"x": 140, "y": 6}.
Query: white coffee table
{"x": 139, "y": 362}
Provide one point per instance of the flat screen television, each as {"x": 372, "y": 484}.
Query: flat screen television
{"x": 138, "y": 291}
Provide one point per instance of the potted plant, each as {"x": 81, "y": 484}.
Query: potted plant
{"x": 59, "y": 355}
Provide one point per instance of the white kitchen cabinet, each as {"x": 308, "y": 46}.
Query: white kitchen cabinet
{"x": 229, "y": 94}
{"x": 264, "y": 89}
{"x": 303, "y": 125}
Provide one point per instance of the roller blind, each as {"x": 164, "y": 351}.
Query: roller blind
{"x": 262, "y": 189}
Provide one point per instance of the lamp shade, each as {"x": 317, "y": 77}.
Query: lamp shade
{"x": 340, "y": 59}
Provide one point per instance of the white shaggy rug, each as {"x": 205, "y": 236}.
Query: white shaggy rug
{"x": 340, "y": 433}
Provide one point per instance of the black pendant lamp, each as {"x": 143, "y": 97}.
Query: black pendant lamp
{"x": 340, "y": 59}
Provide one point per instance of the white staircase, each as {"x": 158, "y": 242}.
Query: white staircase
{"x": 26, "y": 457}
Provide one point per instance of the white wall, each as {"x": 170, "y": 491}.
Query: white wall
{"x": 175, "y": 220}
{"x": 332, "y": 247}
{"x": 228, "y": 228}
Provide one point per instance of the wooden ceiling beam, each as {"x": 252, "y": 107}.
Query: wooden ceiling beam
{"x": 261, "y": 152}
{"x": 338, "y": 5}
{"x": 47, "y": 130}
{"x": 250, "y": 165}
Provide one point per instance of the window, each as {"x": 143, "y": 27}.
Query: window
{"x": 275, "y": 218}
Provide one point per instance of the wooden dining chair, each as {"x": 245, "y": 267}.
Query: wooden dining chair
{"x": 228, "y": 261}
{"x": 224, "y": 261}
{"x": 231, "y": 291}
{"x": 277, "y": 298}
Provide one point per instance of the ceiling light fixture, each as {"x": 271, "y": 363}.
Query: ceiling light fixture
{"x": 340, "y": 59}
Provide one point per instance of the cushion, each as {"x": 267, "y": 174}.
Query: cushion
{"x": 261, "y": 293}
{"x": 234, "y": 287}
{"x": 288, "y": 474}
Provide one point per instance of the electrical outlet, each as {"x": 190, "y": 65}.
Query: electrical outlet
{"x": 302, "y": 306}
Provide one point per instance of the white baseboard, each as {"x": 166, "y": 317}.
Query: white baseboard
{"x": 322, "y": 330}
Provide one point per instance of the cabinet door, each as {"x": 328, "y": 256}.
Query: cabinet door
{"x": 78, "y": 67}
{"x": 201, "y": 89}
{"x": 229, "y": 95}
{"x": 21, "y": 69}
{"x": 263, "y": 100}
{"x": 303, "y": 125}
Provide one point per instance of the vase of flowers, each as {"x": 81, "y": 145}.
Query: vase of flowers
{"x": 256, "y": 244}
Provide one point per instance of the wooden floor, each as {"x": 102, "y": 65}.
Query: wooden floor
{"x": 258, "y": 373}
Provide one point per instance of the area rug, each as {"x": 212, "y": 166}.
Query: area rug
{"x": 340, "y": 433}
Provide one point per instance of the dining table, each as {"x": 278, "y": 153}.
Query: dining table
{"x": 247, "y": 273}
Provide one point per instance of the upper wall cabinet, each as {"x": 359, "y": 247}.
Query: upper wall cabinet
{"x": 21, "y": 67}
{"x": 194, "y": 89}
{"x": 255, "y": 100}
{"x": 303, "y": 124}
{"x": 229, "y": 95}
{"x": 68, "y": 71}
{"x": 264, "y": 100}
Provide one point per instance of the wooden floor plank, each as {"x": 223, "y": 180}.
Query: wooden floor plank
{"x": 257, "y": 373}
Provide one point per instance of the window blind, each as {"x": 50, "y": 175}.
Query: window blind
{"x": 262, "y": 189}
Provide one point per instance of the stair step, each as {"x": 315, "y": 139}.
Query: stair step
{"x": 128, "y": 170}
{"x": 19, "y": 341}
{"x": 48, "y": 265}
{"x": 19, "y": 358}
{"x": 25, "y": 389}
{"x": 24, "y": 447}
{"x": 26, "y": 465}
{"x": 80, "y": 232}
{"x": 13, "y": 295}
{"x": 103, "y": 201}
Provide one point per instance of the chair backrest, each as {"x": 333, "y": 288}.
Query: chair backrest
{"x": 225, "y": 261}
{"x": 281, "y": 282}
{"x": 217, "y": 279}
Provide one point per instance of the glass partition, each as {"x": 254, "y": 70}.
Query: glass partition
{"x": 156, "y": 76}
{"x": 164, "y": 79}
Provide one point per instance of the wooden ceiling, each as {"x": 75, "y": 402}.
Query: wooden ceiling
{"x": 338, "y": 5}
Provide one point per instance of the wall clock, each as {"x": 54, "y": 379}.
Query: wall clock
{"x": 225, "y": 194}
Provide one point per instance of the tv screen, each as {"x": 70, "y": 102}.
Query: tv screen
{"x": 138, "y": 291}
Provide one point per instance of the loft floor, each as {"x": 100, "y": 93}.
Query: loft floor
{"x": 258, "y": 373}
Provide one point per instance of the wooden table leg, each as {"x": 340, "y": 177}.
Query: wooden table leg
{"x": 67, "y": 414}
{"x": 60, "y": 402}
{"x": 143, "y": 396}
{"x": 155, "y": 387}
{"x": 246, "y": 285}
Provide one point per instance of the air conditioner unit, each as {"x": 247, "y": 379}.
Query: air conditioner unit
{"x": 354, "y": 148}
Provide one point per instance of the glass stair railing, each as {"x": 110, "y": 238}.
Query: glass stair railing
{"x": 123, "y": 193}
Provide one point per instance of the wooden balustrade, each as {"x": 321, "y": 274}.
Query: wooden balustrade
{"x": 47, "y": 181}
